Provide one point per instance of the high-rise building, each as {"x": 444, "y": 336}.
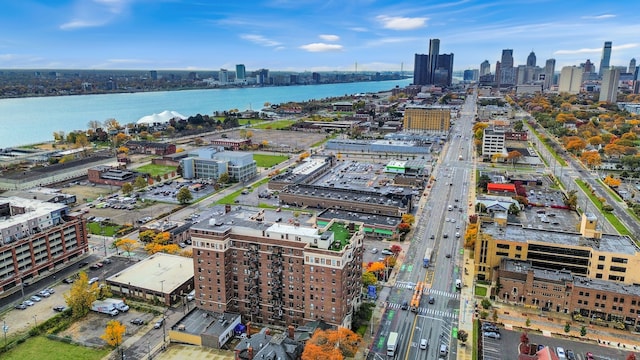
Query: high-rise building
{"x": 443, "y": 75}
{"x": 507, "y": 71}
{"x": 588, "y": 66}
{"x": 434, "y": 51}
{"x": 241, "y": 73}
{"x": 609, "y": 87}
{"x": 632, "y": 66}
{"x": 223, "y": 76}
{"x": 531, "y": 59}
{"x": 549, "y": 73}
{"x": 470, "y": 75}
{"x": 421, "y": 69}
{"x": 570, "y": 79}
{"x": 485, "y": 68}
{"x": 278, "y": 272}
{"x": 606, "y": 57}
{"x": 427, "y": 119}
{"x": 153, "y": 74}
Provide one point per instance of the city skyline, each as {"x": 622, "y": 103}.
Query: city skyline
{"x": 308, "y": 35}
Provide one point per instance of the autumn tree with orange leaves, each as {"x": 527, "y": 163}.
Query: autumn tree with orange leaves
{"x": 591, "y": 158}
{"x": 611, "y": 181}
{"x": 113, "y": 333}
{"x": 331, "y": 345}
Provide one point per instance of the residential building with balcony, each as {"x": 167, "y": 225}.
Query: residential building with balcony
{"x": 276, "y": 269}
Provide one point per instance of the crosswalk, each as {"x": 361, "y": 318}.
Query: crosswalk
{"x": 428, "y": 311}
{"x": 432, "y": 292}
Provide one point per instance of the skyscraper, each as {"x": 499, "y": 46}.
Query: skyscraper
{"x": 241, "y": 73}
{"x": 434, "y": 50}
{"x": 531, "y": 59}
{"x": 421, "y": 69}
{"x": 485, "y": 68}
{"x": 443, "y": 75}
{"x": 609, "y": 88}
{"x": 632, "y": 66}
{"x": 549, "y": 73}
{"x": 570, "y": 79}
{"x": 606, "y": 57}
{"x": 507, "y": 72}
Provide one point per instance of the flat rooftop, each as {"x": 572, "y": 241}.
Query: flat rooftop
{"x": 34, "y": 208}
{"x": 249, "y": 217}
{"x": 200, "y": 321}
{"x": 366, "y": 218}
{"x": 160, "y": 273}
{"x": 608, "y": 243}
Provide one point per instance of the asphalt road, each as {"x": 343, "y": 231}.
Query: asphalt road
{"x": 433, "y": 322}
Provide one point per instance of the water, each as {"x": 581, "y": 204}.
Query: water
{"x": 33, "y": 120}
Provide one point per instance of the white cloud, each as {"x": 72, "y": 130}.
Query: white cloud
{"x": 329, "y": 37}
{"x": 595, "y": 50}
{"x": 401, "y": 23}
{"x": 599, "y": 17}
{"x": 321, "y": 47}
{"x": 260, "y": 40}
{"x": 95, "y": 13}
{"x": 79, "y": 24}
{"x": 358, "y": 29}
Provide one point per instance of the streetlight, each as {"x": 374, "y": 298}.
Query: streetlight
{"x": 35, "y": 320}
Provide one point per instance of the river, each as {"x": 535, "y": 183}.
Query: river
{"x": 33, "y": 120}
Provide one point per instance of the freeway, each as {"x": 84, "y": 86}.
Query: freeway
{"x": 435, "y": 320}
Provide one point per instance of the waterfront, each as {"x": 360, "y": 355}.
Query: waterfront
{"x": 32, "y": 120}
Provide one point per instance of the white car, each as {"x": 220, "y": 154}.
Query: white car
{"x": 93, "y": 279}
{"x": 35, "y": 298}
{"x": 374, "y": 251}
{"x": 28, "y": 302}
{"x": 561, "y": 354}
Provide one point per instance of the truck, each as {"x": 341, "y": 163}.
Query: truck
{"x": 118, "y": 304}
{"x": 427, "y": 257}
{"x": 104, "y": 308}
{"x": 392, "y": 344}
{"x": 459, "y": 157}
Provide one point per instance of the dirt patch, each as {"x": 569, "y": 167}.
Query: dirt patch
{"x": 281, "y": 140}
{"x": 86, "y": 193}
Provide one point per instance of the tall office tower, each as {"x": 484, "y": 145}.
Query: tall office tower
{"x": 485, "y": 68}
{"x": 223, "y": 76}
{"x": 421, "y": 69}
{"x": 470, "y": 75}
{"x": 570, "y": 79}
{"x": 507, "y": 72}
{"x": 497, "y": 76}
{"x": 262, "y": 77}
{"x": 589, "y": 67}
{"x": 443, "y": 75}
{"x": 531, "y": 59}
{"x": 609, "y": 88}
{"x": 632, "y": 66}
{"x": 241, "y": 73}
{"x": 549, "y": 73}
{"x": 434, "y": 51}
{"x": 153, "y": 74}
{"x": 606, "y": 57}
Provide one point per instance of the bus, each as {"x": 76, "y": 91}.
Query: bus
{"x": 427, "y": 257}
{"x": 417, "y": 295}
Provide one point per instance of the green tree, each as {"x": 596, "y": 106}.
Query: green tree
{"x": 485, "y": 303}
{"x": 184, "y": 195}
{"x": 463, "y": 336}
{"x": 528, "y": 322}
{"x": 140, "y": 182}
{"x": 567, "y": 327}
{"x": 81, "y": 295}
{"x": 369, "y": 278}
{"x": 495, "y": 316}
{"x": 583, "y": 331}
{"x": 224, "y": 178}
{"x": 572, "y": 199}
{"x": 483, "y": 181}
{"x": 127, "y": 189}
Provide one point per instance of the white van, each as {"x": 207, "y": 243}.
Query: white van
{"x": 423, "y": 344}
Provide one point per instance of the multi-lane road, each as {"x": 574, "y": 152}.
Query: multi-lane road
{"x": 436, "y": 228}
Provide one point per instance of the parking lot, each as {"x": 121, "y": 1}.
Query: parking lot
{"x": 506, "y": 346}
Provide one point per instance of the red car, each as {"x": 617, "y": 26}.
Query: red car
{"x": 589, "y": 356}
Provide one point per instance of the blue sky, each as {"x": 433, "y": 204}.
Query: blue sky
{"x": 299, "y": 35}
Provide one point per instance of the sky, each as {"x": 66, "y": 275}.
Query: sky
{"x": 309, "y": 35}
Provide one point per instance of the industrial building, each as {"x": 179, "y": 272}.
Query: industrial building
{"x": 211, "y": 163}
{"x": 427, "y": 119}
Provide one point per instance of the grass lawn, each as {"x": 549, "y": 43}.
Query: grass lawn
{"x": 610, "y": 216}
{"x": 155, "y": 170}
{"x": 42, "y": 348}
{"x": 268, "y": 161}
{"x": 243, "y": 122}
{"x": 94, "y": 228}
{"x": 480, "y": 291}
{"x": 275, "y": 125}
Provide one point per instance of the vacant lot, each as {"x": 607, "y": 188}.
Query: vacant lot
{"x": 43, "y": 348}
{"x": 278, "y": 124}
{"x": 155, "y": 170}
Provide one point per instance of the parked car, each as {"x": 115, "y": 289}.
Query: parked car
{"x": 386, "y": 252}
{"x": 68, "y": 280}
{"x": 374, "y": 251}
{"x": 44, "y": 293}
{"x": 137, "y": 321}
{"x": 59, "y": 308}
{"x": 492, "y": 335}
{"x": 589, "y": 356}
{"x": 158, "y": 324}
{"x": 106, "y": 261}
{"x": 561, "y": 353}
{"x": 570, "y": 355}
{"x": 35, "y": 298}
{"x": 93, "y": 279}
{"x": 50, "y": 290}
{"x": 94, "y": 267}
{"x": 28, "y": 302}
{"x": 21, "y": 306}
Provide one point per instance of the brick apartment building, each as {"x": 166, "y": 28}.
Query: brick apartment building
{"x": 37, "y": 238}
{"x": 277, "y": 271}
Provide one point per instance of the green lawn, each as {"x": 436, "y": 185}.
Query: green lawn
{"x": 155, "y": 170}
{"x": 610, "y": 216}
{"x": 43, "y": 348}
{"x": 94, "y": 228}
{"x": 480, "y": 291}
{"x": 268, "y": 161}
{"x": 243, "y": 122}
{"x": 276, "y": 125}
